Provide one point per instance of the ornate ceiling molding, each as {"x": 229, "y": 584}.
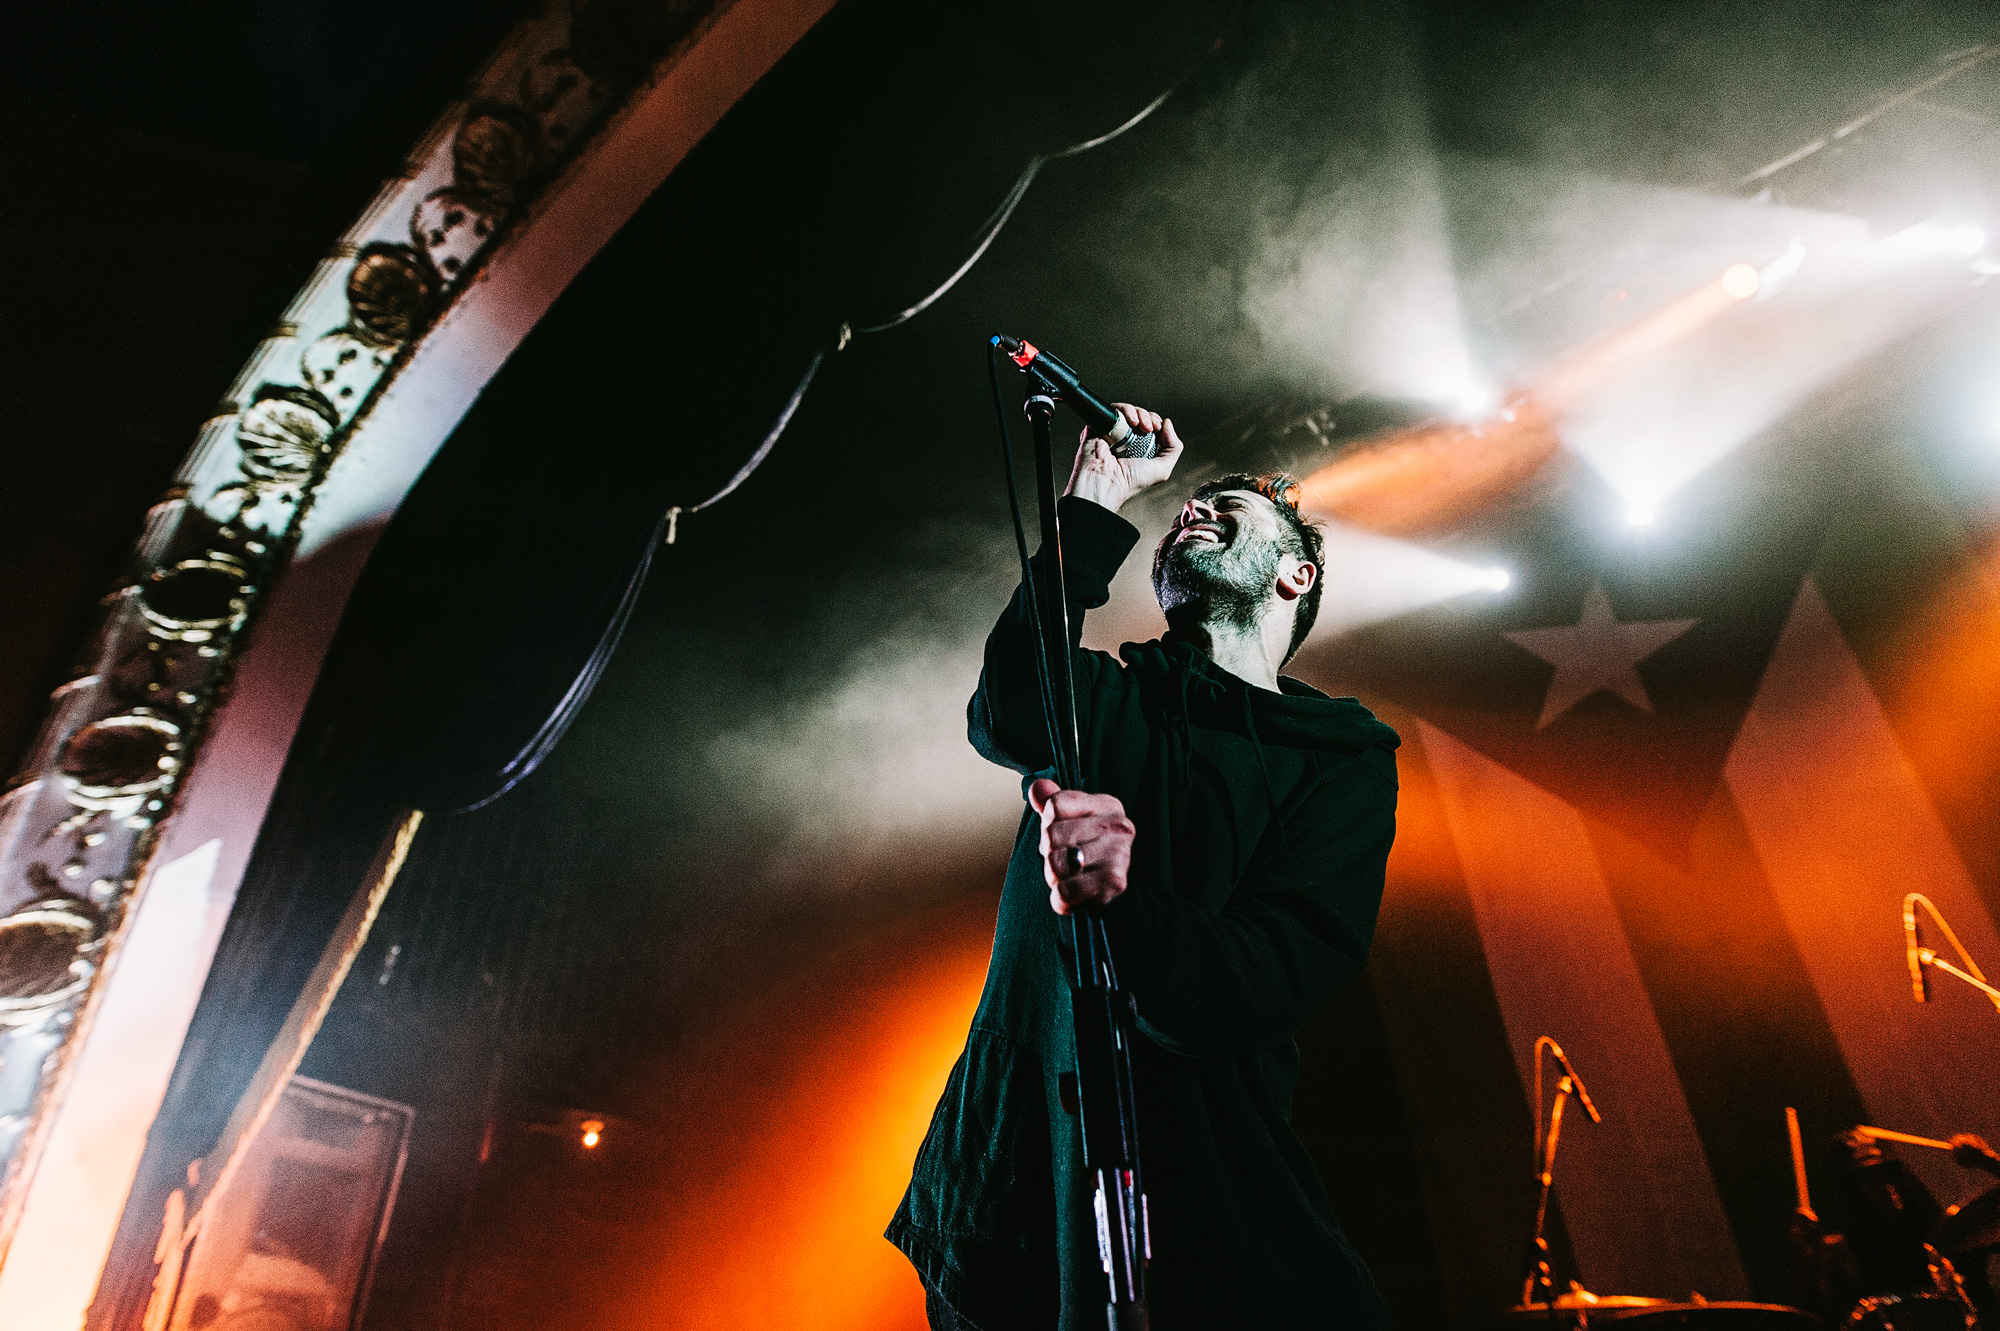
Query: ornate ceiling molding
{"x": 172, "y": 733}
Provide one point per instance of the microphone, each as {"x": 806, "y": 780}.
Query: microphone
{"x": 1060, "y": 381}
{"x": 1913, "y": 951}
{"x": 1569, "y": 1070}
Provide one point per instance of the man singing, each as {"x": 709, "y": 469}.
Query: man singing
{"x": 1234, "y": 838}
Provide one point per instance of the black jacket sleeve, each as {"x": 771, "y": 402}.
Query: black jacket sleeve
{"x": 1004, "y": 719}
{"x": 1214, "y": 984}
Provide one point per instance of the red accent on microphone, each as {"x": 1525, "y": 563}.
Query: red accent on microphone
{"x": 1025, "y": 355}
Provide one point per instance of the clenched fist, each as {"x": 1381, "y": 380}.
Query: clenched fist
{"x": 1086, "y": 845}
{"x": 1104, "y": 478}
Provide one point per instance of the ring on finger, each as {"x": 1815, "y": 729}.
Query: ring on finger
{"x": 1072, "y": 861}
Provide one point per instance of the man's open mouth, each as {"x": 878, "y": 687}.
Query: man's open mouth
{"x": 1200, "y": 531}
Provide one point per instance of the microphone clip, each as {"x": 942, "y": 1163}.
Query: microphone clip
{"x": 1058, "y": 381}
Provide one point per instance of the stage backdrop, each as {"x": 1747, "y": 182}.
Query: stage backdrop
{"x": 1664, "y": 805}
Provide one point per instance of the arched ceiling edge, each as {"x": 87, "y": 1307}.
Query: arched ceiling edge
{"x": 158, "y": 760}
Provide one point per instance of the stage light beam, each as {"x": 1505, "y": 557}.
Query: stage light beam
{"x": 1780, "y": 270}
{"x": 1959, "y": 240}
{"x": 1372, "y": 578}
{"x": 1649, "y": 425}
{"x": 1475, "y": 400}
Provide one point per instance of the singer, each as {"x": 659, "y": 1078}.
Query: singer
{"x": 1235, "y": 843}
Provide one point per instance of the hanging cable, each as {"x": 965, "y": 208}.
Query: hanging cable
{"x": 848, "y": 331}
{"x": 756, "y": 459}
{"x": 1006, "y": 211}
{"x": 664, "y": 532}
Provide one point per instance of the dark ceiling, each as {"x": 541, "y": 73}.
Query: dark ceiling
{"x": 174, "y": 172}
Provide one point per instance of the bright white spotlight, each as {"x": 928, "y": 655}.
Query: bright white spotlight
{"x": 1641, "y": 512}
{"x": 1740, "y": 281}
{"x": 1374, "y": 578}
{"x": 1965, "y": 240}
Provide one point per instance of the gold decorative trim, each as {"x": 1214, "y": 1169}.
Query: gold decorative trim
{"x": 107, "y": 768}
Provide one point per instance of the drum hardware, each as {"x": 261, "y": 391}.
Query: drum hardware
{"x": 1971, "y": 1228}
{"x": 1968, "y": 1230}
{"x": 1943, "y": 1307}
{"x": 1580, "y": 1299}
{"x": 1947, "y": 1301}
{"x": 1920, "y": 957}
{"x": 1580, "y": 1309}
{"x": 1908, "y": 1312}
{"x": 1951, "y": 1285}
{"x": 1538, "y": 1279}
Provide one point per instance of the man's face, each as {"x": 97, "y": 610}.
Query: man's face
{"x": 1222, "y": 554}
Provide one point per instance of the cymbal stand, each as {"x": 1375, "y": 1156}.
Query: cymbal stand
{"x": 1538, "y": 1279}
{"x": 1921, "y": 956}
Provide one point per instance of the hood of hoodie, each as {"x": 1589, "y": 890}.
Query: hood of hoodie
{"x": 1299, "y": 717}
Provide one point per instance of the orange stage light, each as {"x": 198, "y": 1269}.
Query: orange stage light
{"x": 1424, "y": 477}
{"x": 1427, "y": 476}
{"x": 791, "y": 1171}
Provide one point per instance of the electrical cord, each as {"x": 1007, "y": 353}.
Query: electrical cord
{"x": 664, "y": 532}
{"x": 1005, "y": 211}
{"x": 996, "y": 222}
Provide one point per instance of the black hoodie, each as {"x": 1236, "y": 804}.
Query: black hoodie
{"x": 1264, "y": 821}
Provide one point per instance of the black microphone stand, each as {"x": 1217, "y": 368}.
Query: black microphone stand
{"x": 1538, "y": 1285}
{"x": 1102, "y": 1013}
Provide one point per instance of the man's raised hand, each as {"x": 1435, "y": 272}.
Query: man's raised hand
{"x": 1086, "y": 845}
{"x": 1108, "y": 480}
{"x": 1972, "y": 1152}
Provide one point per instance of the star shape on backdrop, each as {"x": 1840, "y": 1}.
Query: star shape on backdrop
{"x": 1597, "y": 654}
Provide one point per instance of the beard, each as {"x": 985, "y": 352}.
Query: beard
{"x": 1220, "y": 584}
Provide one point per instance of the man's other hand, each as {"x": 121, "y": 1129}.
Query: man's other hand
{"x": 1108, "y": 480}
{"x": 1086, "y": 845}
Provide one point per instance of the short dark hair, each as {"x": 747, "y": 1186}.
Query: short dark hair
{"x": 1302, "y": 537}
